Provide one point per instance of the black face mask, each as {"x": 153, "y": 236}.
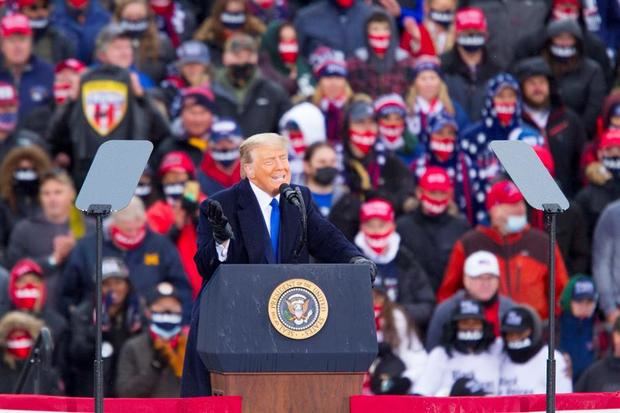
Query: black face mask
{"x": 135, "y": 28}
{"x": 442, "y": 18}
{"x": 521, "y": 351}
{"x": 325, "y": 176}
{"x": 241, "y": 74}
{"x": 471, "y": 43}
{"x": 26, "y": 181}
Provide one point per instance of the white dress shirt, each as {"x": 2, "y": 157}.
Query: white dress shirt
{"x": 264, "y": 201}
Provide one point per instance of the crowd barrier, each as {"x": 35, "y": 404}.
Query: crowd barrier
{"x": 585, "y": 402}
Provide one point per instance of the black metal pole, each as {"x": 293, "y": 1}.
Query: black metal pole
{"x": 550, "y": 214}
{"x": 98, "y": 362}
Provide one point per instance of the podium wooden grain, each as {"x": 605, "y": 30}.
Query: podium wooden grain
{"x": 289, "y": 392}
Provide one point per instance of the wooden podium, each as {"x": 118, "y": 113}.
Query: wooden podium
{"x": 288, "y": 338}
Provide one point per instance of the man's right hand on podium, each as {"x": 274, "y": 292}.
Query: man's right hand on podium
{"x": 222, "y": 231}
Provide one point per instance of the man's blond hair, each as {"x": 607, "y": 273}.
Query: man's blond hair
{"x": 255, "y": 141}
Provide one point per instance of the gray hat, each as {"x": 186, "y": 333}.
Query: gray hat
{"x": 113, "y": 267}
{"x": 361, "y": 110}
{"x": 110, "y": 32}
{"x": 241, "y": 42}
{"x": 193, "y": 51}
{"x": 569, "y": 26}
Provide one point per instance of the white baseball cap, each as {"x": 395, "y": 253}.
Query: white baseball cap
{"x": 480, "y": 263}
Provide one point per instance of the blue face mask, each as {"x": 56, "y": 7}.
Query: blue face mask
{"x": 166, "y": 325}
{"x": 233, "y": 21}
{"x": 515, "y": 223}
{"x": 8, "y": 121}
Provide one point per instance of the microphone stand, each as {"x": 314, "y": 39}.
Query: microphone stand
{"x": 304, "y": 222}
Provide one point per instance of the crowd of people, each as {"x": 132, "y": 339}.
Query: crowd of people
{"x": 389, "y": 107}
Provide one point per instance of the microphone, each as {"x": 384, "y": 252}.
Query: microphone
{"x": 290, "y": 195}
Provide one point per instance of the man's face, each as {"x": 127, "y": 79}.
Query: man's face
{"x": 196, "y": 119}
{"x": 241, "y": 57}
{"x": 38, "y": 10}
{"x": 130, "y": 228}
{"x": 517, "y": 335}
{"x": 118, "y": 53}
{"x": 499, "y": 214}
{"x": 56, "y": 198}
{"x": 564, "y": 39}
{"x": 269, "y": 168}
{"x": 117, "y": 287}
{"x": 582, "y": 309}
{"x": 483, "y": 287}
{"x": 536, "y": 91}
{"x": 174, "y": 177}
{"x": 194, "y": 73}
{"x": 16, "y": 49}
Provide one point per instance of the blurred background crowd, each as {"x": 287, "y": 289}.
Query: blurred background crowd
{"x": 389, "y": 107}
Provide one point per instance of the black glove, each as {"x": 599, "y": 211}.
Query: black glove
{"x": 222, "y": 230}
{"x": 364, "y": 260}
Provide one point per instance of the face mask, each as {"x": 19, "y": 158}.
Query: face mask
{"x": 612, "y": 163}
{"x": 468, "y": 340}
{"x": 61, "y": 92}
{"x": 26, "y": 181}
{"x": 166, "y": 325}
{"x": 8, "y": 121}
{"x": 126, "y": 242}
{"x": 162, "y": 7}
{"x": 296, "y": 137}
{"x": 325, "y": 176}
{"x": 143, "y": 190}
{"x": 345, "y": 4}
{"x": 26, "y": 297}
{"x": 174, "y": 191}
{"x": 563, "y": 52}
{"x": 19, "y": 344}
{"x": 515, "y": 224}
{"x": 233, "y": 21}
{"x": 392, "y": 135}
{"x": 442, "y": 147}
{"x": 241, "y": 74}
{"x": 379, "y": 43}
{"x": 38, "y": 24}
{"x": 225, "y": 158}
{"x": 135, "y": 28}
{"x": 520, "y": 351}
{"x": 469, "y": 335}
{"x": 288, "y": 50}
{"x": 378, "y": 242}
{"x": 264, "y": 4}
{"x": 471, "y": 43}
{"x": 442, "y": 18}
{"x": 363, "y": 141}
{"x": 433, "y": 207}
{"x": 505, "y": 112}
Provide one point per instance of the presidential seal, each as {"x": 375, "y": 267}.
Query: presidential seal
{"x": 298, "y": 309}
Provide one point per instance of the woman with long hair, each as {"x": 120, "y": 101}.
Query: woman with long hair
{"x": 227, "y": 17}
{"x": 153, "y": 50}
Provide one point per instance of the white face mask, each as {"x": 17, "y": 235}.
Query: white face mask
{"x": 469, "y": 335}
{"x": 515, "y": 223}
{"x": 519, "y": 344}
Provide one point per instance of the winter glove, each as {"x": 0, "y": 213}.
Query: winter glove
{"x": 222, "y": 231}
{"x": 364, "y": 260}
{"x": 597, "y": 173}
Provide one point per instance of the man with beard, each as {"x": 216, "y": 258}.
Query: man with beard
{"x": 543, "y": 110}
{"x": 523, "y": 366}
{"x": 242, "y": 93}
{"x": 468, "y": 349}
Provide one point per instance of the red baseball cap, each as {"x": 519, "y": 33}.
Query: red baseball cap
{"x": 25, "y": 266}
{"x": 435, "y": 179}
{"x": 575, "y": 3}
{"x": 546, "y": 158}
{"x": 176, "y": 161}
{"x": 611, "y": 137}
{"x": 15, "y": 24}
{"x": 503, "y": 192}
{"x": 376, "y": 208}
{"x": 71, "y": 64}
{"x": 8, "y": 94}
{"x": 470, "y": 18}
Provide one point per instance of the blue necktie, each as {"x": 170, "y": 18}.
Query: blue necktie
{"x": 274, "y": 225}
